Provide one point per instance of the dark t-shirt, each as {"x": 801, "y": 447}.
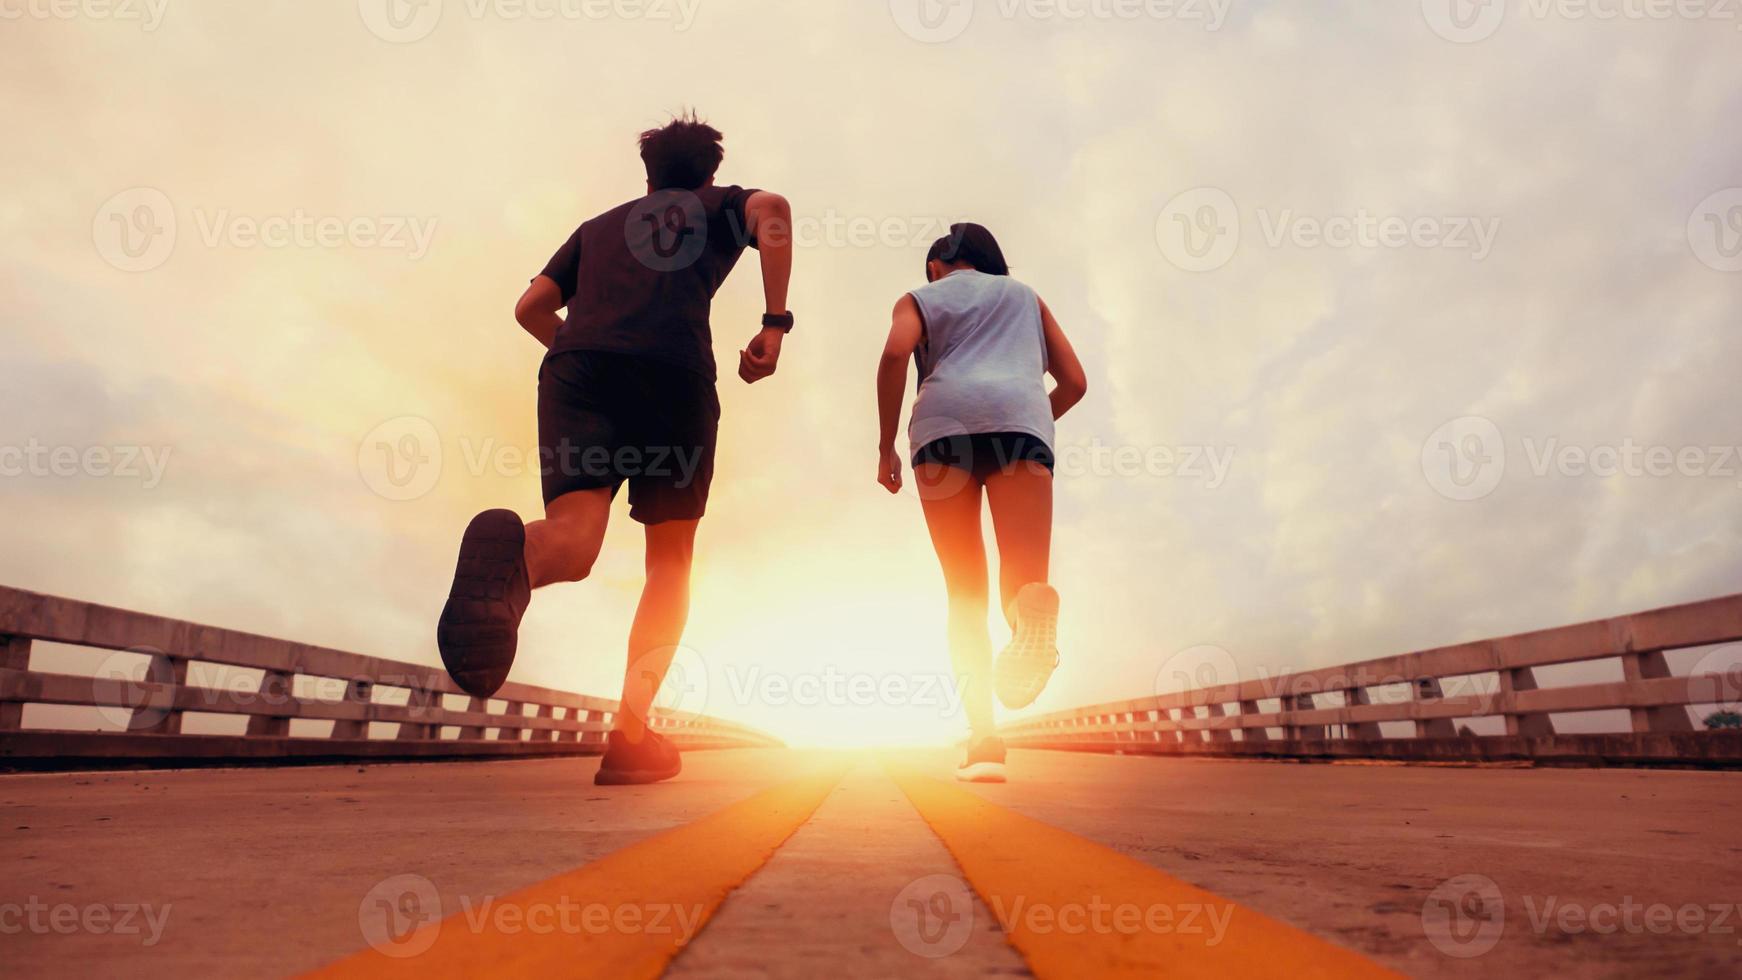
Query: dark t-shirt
{"x": 640, "y": 279}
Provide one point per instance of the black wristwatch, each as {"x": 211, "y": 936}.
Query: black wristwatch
{"x": 778, "y": 321}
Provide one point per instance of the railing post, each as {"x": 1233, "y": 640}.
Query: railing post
{"x": 475, "y": 705}
{"x": 1651, "y": 665}
{"x": 515, "y": 709}
{"x": 545, "y": 734}
{"x": 573, "y": 714}
{"x": 1356, "y": 697}
{"x": 1428, "y": 689}
{"x": 14, "y": 655}
{"x": 1218, "y": 710}
{"x": 1301, "y": 702}
{"x": 276, "y": 686}
{"x": 1536, "y": 723}
{"x": 419, "y": 731}
{"x": 359, "y": 690}
{"x": 1252, "y": 734}
{"x": 152, "y": 717}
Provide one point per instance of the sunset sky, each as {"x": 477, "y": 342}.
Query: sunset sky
{"x": 1305, "y": 250}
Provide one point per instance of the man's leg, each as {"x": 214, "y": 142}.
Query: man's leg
{"x": 564, "y": 546}
{"x": 659, "y": 621}
{"x": 952, "y": 513}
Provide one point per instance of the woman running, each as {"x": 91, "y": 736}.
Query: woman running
{"x": 983, "y": 423}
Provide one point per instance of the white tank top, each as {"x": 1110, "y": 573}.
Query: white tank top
{"x": 982, "y": 363}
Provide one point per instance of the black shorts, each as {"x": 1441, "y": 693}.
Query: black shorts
{"x": 986, "y": 453}
{"x": 605, "y": 419}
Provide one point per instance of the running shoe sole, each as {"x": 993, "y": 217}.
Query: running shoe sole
{"x": 635, "y": 777}
{"x": 479, "y": 631}
{"x": 981, "y": 772}
{"x": 1026, "y": 665}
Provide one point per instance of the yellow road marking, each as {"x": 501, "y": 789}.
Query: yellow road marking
{"x": 1074, "y": 908}
{"x": 625, "y": 915}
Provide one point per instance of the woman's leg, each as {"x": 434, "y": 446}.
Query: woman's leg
{"x": 952, "y": 513}
{"x": 1021, "y": 500}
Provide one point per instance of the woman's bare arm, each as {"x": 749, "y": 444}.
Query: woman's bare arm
{"x": 1071, "y": 384}
{"x": 904, "y": 336}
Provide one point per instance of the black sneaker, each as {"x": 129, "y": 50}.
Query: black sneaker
{"x": 627, "y": 763}
{"x": 480, "y": 627}
{"x": 1025, "y": 666}
{"x": 985, "y": 762}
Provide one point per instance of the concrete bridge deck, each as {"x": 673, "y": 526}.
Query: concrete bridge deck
{"x": 871, "y": 867}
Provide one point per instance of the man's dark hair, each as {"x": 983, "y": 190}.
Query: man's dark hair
{"x": 682, "y": 154}
{"x": 972, "y": 244}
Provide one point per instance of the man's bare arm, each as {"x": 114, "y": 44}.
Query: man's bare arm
{"x": 769, "y": 217}
{"x": 539, "y": 310}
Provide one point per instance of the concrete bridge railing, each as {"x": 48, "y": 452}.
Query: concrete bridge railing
{"x": 1436, "y": 695}
{"x": 378, "y": 709}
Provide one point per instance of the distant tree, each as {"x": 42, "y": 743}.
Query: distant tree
{"x": 1723, "y": 719}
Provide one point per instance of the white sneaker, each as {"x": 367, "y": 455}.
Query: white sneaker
{"x": 984, "y": 763}
{"x": 1027, "y": 663}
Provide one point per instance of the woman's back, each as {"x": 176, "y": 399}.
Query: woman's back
{"x": 982, "y": 362}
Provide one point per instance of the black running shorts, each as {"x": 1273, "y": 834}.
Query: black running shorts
{"x": 986, "y": 453}
{"x": 606, "y": 419}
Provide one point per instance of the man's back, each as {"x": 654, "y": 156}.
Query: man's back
{"x": 640, "y": 279}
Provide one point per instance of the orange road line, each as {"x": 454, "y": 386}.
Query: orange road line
{"x": 1074, "y": 908}
{"x": 625, "y": 915}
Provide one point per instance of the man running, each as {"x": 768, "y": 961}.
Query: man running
{"x": 626, "y": 395}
